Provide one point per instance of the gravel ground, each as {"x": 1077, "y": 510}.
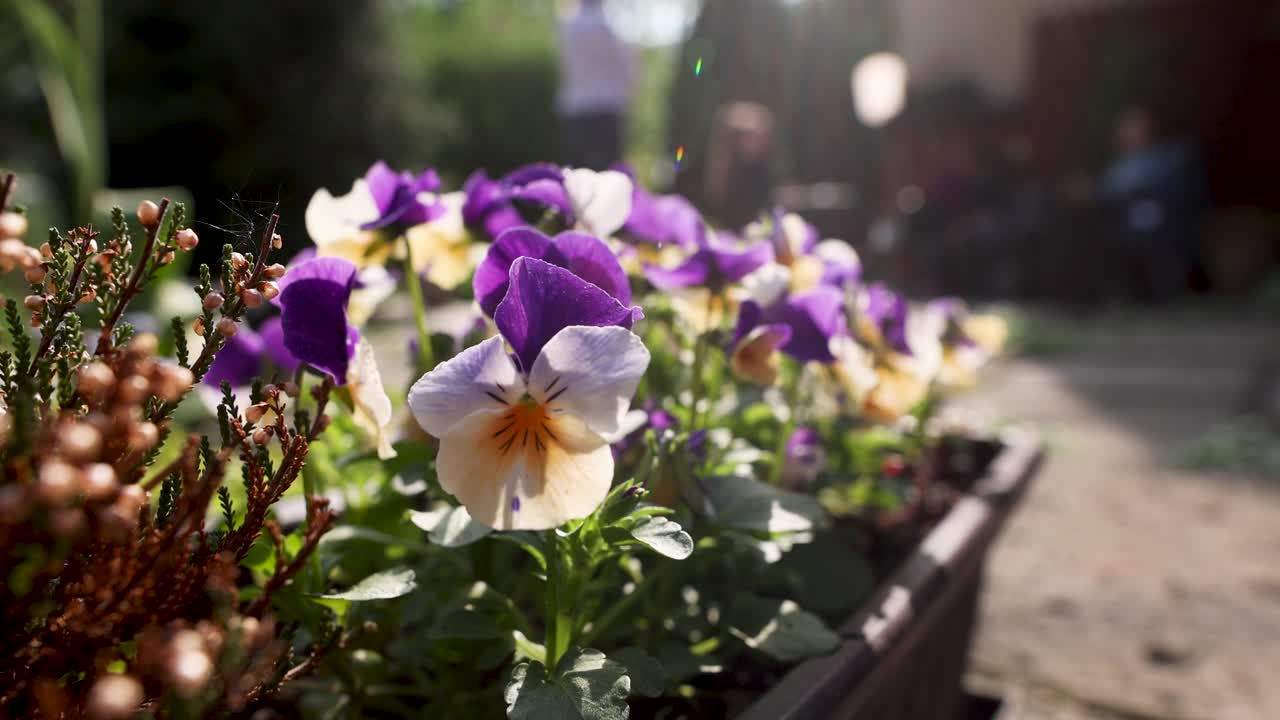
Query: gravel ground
{"x": 1125, "y": 587}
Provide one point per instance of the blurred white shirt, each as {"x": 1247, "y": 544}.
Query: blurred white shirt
{"x": 595, "y": 65}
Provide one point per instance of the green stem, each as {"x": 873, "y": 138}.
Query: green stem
{"x": 699, "y": 359}
{"x": 559, "y": 622}
{"x": 425, "y": 358}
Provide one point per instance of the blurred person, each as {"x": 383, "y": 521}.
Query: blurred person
{"x": 596, "y": 79}
{"x": 1155, "y": 196}
{"x": 738, "y": 181}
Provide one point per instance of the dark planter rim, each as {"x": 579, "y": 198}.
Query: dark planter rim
{"x": 915, "y": 594}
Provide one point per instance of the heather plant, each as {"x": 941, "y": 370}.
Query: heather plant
{"x": 120, "y": 592}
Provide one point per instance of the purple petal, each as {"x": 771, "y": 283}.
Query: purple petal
{"x": 590, "y": 259}
{"x": 492, "y": 276}
{"x": 697, "y": 270}
{"x": 545, "y": 193}
{"x": 661, "y": 420}
{"x": 272, "y": 332}
{"x": 734, "y": 264}
{"x": 750, "y": 316}
{"x": 313, "y": 299}
{"x": 663, "y": 219}
{"x": 397, "y": 197}
{"x": 239, "y": 362}
{"x": 535, "y": 171}
{"x": 888, "y": 311}
{"x": 382, "y": 181}
{"x": 814, "y": 317}
{"x": 483, "y": 197}
{"x": 544, "y": 299}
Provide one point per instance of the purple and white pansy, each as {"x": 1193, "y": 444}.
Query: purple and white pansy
{"x": 381, "y": 199}
{"x": 524, "y": 436}
{"x": 584, "y": 255}
{"x": 317, "y": 330}
{"x": 594, "y": 202}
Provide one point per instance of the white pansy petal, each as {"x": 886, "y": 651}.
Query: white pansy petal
{"x": 375, "y": 285}
{"x": 372, "y": 406}
{"x": 562, "y": 473}
{"x": 631, "y": 422}
{"x": 837, "y": 252}
{"x": 601, "y": 200}
{"x": 331, "y": 219}
{"x": 766, "y": 283}
{"x": 479, "y": 378}
{"x": 590, "y": 372}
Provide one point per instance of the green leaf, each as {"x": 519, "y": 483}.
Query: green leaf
{"x": 648, "y": 677}
{"x": 585, "y": 686}
{"x": 744, "y": 503}
{"x": 384, "y": 585}
{"x": 664, "y": 537}
{"x": 780, "y": 629}
{"x": 449, "y": 526}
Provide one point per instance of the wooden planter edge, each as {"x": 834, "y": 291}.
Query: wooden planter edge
{"x": 835, "y": 685}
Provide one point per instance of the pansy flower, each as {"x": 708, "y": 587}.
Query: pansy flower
{"x": 345, "y": 226}
{"x": 964, "y": 341}
{"x": 524, "y": 436}
{"x": 799, "y": 324}
{"x": 486, "y": 205}
{"x": 584, "y": 255}
{"x": 882, "y": 319}
{"x": 698, "y": 285}
{"x": 443, "y": 251}
{"x": 317, "y": 330}
{"x": 801, "y": 262}
{"x": 598, "y": 203}
{"x": 804, "y": 458}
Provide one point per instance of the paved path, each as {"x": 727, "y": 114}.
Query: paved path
{"x": 1124, "y": 587}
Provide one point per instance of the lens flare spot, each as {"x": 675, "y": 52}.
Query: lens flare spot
{"x": 697, "y": 68}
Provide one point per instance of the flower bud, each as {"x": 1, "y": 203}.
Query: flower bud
{"x": 143, "y": 436}
{"x": 114, "y": 697}
{"x": 262, "y": 436}
{"x": 239, "y": 261}
{"x": 95, "y": 378}
{"x": 144, "y": 345}
{"x": 133, "y": 389}
{"x": 89, "y": 295}
{"x": 46, "y": 250}
{"x": 98, "y": 482}
{"x": 12, "y": 225}
{"x": 213, "y": 301}
{"x": 67, "y": 523}
{"x": 129, "y": 502}
{"x": 254, "y": 412}
{"x": 198, "y": 326}
{"x": 190, "y": 671}
{"x": 167, "y": 258}
{"x": 277, "y": 242}
{"x": 251, "y": 298}
{"x": 227, "y": 327}
{"x": 171, "y": 382}
{"x": 290, "y": 388}
{"x": 148, "y": 213}
{"x": 34, "y": 303}
{"x": 187, "y": 239}
{"x": 35, "y": 274}
{"x": 274, "y": 271}
{"x": 81, "y": 442}
{"x": 14, "y": 504}
{"x": 57, "y": 483}
{"x": 269, "y": 289}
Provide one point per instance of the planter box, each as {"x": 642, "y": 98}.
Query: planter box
{"x": 906, "y": 651}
